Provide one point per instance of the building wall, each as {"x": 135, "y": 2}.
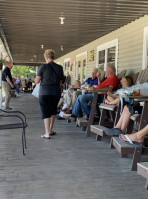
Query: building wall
{"x": 130, "y": 46}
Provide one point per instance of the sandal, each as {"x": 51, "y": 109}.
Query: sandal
{"x": 43, "y": 136}
{"x": 53, "y": 133}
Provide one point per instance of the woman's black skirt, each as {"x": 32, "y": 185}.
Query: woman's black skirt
{"x": 48, "y": 105}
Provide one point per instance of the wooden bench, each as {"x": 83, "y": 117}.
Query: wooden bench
{"x": 124, "y": 149}
{"x": 22, "y": 124}
{"x": 142, "y": 169}
{"x": 98, "y": 131}
{"x": 141, "y": 77}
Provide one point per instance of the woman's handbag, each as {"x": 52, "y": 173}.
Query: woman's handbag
{"x": 36, "y": 90}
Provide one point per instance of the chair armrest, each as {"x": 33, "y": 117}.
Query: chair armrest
{"x": 13, "y": 117}
{"x": 19, "y": 112}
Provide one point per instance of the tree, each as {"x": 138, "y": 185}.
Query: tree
{"x": 23, "y": 71}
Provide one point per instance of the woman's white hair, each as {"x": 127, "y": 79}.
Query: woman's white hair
{"x": 95, "y": 69}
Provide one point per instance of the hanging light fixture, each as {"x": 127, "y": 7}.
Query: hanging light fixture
{"x": 62, "y": 20}
{"x": 62, "y": 48}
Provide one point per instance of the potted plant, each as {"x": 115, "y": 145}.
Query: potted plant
{"x": 5, "y": 62}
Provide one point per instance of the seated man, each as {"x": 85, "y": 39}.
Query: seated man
{"x": 111, "y": 83}
{"x": 71, "y": 96}
{"x": 93, "y": 80}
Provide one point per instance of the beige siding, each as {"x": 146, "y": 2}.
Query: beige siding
{"x": 130, "y": 49}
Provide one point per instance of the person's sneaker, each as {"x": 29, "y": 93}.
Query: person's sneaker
{"x": 59, "y": 118}
{"x": 7, "y": 109}
{"x": 73, "y": 117}
{"x": 86, "y": 117}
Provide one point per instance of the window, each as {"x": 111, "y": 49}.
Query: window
{"x": 107, "y": 55}
{"x": 101, "y": 60}
{"x": 111, "y": 56}
{"x": 81, "y": 65}
{"x": 79, "y": 69}
{"x": 67, "y": 66}
{"x": 84, "y": 69}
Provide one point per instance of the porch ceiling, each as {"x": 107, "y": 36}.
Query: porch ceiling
{"x": 28, "y": 24}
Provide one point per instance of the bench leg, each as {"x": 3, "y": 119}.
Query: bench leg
{"x": 98, "y": 137}
{"x": 84, "y": 128}
{"x": 136, "y": 158}
{"x": 146, "y": 185}
{"x": 102, "y": 117}
{"x": 91, "y": 116}
{"x": 69, "y": 120}
{"x": 130, "y": 127}
{"x": 123, "y": 155}
{"x": 111, "y": 144}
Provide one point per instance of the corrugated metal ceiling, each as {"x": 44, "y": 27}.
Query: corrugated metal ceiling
{"x": 28, "y": 24}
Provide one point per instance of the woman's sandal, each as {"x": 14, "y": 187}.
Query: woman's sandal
{"x": 53, "y": 133}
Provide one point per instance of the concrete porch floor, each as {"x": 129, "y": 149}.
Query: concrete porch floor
{"x": 69, "y": 166}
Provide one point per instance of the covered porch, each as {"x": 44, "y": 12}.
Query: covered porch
{"x": 70, "y": 165}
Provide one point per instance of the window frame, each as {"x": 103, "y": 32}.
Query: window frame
{"x": 106, "y": 46}
{"x": 145, "y": 48}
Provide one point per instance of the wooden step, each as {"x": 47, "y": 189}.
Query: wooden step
{"x": 97, "y": 130}
{"x": 81, "y": 122}
{"x": 122, "y": 147}
{"x": 107, "y": 106}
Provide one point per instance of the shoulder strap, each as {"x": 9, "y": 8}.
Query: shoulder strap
{"x": 54, "y": 71}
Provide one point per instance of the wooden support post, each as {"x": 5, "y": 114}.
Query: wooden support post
{"x": 111, "y": 144}
{"x": 136, "y": 158}
{"x": 102, "y": 117}
{"x": 146, "y": 185}
{"x": 117, "y": 114}
{"x": 144, "y": 116}
{"x": 92, "y": 111}
{"x": 84, "y": 128}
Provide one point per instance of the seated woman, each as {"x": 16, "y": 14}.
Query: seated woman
{"x": 124, "y": 120}
{"x": 125, "y": 82}
{"x": 135, "y": 138}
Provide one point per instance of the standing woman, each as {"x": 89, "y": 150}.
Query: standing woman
{"x": 49, "y": 76}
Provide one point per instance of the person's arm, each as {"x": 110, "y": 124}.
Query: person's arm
{"x": 102, "y": 89}
{"x": 9, "y": 82}
{"x": 37, "y": 79}
{"x": 99, "y": 77}
{"x": 83, "y": 84}
{"x": 39, "y": 74}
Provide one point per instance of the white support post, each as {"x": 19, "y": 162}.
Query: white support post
{"x": 0, "y": 78}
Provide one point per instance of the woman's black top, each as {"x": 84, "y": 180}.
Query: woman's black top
{"x": 51, "y": 74}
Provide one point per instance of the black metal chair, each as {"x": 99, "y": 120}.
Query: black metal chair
{"x": 22, "y": 124}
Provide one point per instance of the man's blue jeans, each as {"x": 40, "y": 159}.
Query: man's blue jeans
{"x": 82, "y": 104}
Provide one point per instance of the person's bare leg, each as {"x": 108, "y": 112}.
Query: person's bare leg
{"x": 124, "y": 119}
{"x": 60, "y": 102}
{"x": 52, "y": 120}
{"x": 138, "y": 136}
{"x": 47, "y": 127}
